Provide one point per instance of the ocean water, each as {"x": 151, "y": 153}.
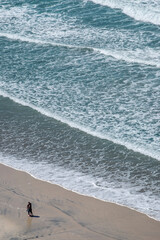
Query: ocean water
{"x": 80, "y": 96}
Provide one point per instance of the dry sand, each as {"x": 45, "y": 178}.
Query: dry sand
{"x": 63, "y": 215}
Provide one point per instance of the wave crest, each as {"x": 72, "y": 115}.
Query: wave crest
{"x": 72, "y": 124}
{"x": 147, "y": 56}
{"x": 145, "y": 11}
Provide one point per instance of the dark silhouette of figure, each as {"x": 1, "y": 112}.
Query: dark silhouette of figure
{"x": 29, "y": 209}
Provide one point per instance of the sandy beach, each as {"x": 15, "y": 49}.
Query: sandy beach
{"x": 63, "y": 215}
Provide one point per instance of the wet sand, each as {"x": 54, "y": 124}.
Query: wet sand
{"x": 64, "y": 215}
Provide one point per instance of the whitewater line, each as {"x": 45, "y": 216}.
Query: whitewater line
{"x": 79, "y": 127}
{"x": 126, "y": 56}
{"x": 139, "y": 12}
{"x": 37, "y": 41}
{"x": 123, "y": 55}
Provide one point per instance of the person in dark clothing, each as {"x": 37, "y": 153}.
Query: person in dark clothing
{"x": 29, "y": 209}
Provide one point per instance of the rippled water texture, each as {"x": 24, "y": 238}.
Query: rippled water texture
{"x": 80, "y": 94}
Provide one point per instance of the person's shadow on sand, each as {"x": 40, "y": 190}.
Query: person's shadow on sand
{"x": 34, "y": 216}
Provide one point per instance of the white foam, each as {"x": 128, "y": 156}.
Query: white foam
{"x": 146, "y": 57}
{"x": 86, "y": 185}
{"x": 141, "y": 10}
{"x": 34, "y": 40}
{"x": 134, "y": 147}
{"x": 26, "y": 21}
{"x": 28, "y": 28}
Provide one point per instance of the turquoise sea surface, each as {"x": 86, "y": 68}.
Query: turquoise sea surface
{"x": 80, "y": 96}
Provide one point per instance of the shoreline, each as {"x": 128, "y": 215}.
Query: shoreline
{"x": 118, "y": 204}
{"x": 63, "y": 214}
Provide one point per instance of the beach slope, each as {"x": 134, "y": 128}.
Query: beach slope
{"x": 63, "y": 215}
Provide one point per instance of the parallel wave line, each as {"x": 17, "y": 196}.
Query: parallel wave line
{"x": 123, "y": 55}
{"x": 78, "y": 126}
{"x": 139, "y": 11}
